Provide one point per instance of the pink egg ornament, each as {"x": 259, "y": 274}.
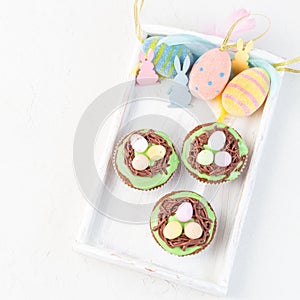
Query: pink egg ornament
{"x": 210, "y": 74}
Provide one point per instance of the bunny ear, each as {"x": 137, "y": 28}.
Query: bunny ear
{"x": 240, "y": 45}
{"x": 177, "y": 64}
{"x": 186, "y": 64}
{"x": 150, "y": 55}
{"x": 249, "y": 46}
{"x": 141, "y": 56}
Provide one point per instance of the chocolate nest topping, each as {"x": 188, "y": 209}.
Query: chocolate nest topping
{"x": 159, "y": 166}
{"x": 231, "y": 147}
{"x": 168, "y": 208}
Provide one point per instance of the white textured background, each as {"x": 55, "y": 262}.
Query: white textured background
{"x": 55, "y": 58}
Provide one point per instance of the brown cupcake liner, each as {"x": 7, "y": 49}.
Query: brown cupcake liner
{"x": 196, "y": 251}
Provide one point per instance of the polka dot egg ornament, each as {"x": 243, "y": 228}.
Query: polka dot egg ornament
{"x": 210, "y": 74}
{"x": 246, "y": 92}
{"x": 164, "y": 55}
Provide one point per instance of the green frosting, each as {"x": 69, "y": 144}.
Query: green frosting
{"x": 174, "y": 218}
{"x": 186, "y": 150}
{"x": 146, "y": 183}
{"x": 177, "y": 250}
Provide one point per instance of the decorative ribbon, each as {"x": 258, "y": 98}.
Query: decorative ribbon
{"x": 138, "y": 5}
{"x": 281, "y": 67}
{"x": 225, "y": 44}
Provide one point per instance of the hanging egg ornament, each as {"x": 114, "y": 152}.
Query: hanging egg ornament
{"x": 164, "y": 55}
{"x": 210, "y": 74}
{"x": 246, "y": 92}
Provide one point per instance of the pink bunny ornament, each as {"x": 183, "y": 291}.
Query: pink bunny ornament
{"x": 146, "y": 75}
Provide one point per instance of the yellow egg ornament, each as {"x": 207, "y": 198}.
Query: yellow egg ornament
{"x": 246, "y": 92}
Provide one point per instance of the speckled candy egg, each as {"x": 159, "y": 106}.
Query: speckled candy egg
{"x": 156, "y": 152}
{"x": 164, "y": 55}
{"x": 172, "y": 230}
{"x": 140, "y": 162}
{"x": 217, "y": 140}
{"x": 246, "y": 92}
{"x": 210, "y": 74}
{"x": 193, "y": 230}
{"x": 184, "y": 212}
{"x": 138, "y": 143}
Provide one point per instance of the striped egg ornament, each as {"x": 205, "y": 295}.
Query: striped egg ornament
{"x": 164, "y": 56}
{"x": 246, "y": 92}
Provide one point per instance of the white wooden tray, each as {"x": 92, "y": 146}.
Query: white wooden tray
{"x": 132, "y": 245}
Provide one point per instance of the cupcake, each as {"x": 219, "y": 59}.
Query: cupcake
{"x": 145, "y": 159}
{"x": 183, "y": 223}
{"x": 214, "y": 153}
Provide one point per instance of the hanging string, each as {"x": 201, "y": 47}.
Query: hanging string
{"x": 138, "y": 5}
{"x": 225, "y": 44}
{"x": 281, "y": 67}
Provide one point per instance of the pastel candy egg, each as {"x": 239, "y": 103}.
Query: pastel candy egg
{"x": 205, "y": 158}
{"x": 156, "y": 152}
{"x": 138, "y": 143}
{"x": 223, "y": 159}
{"x": 140, "y": 162}
{"x": 210, "y": 74}
{"x": 246, "y": 92}
{"x": 217, "y": 140}
{"x": 172, "y": 230}
{"x": 193, "y": 230}
{"x": 184, "y": 212}
{"x": 164, "y": 55}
